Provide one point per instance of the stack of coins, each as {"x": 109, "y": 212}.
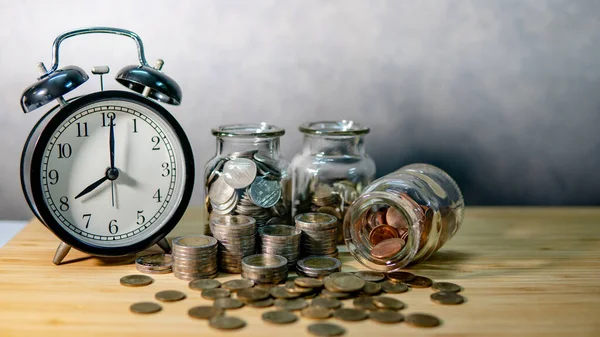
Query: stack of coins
{"x": 281, "y": 240}
{"x": 262, "y": 268}
{"x": 237, "y": 238}
{"x": 194, "y": 257}
{"x": 319, "y": 233}
{"x": 318, "y": 266}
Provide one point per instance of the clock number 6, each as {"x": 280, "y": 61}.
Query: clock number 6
{"x": 112, "y": 226}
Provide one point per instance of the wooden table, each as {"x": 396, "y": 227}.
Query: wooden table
{"x": 526, "y": 272}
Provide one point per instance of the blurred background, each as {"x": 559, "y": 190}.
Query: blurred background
{"x": 503, "y": 95}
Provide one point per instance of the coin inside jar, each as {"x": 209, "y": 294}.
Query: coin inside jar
{"x": 169, "y": 296}
{"x": 395, "y": 218}
{"x": 136, "y": 280}
{"x": 422, "y": 320}
{"x": 387, "y": 248}
{"x": 326, "y": 329}
{"x": 239, "y": 172}
{"x": 205, "y": 312}
{"x": 145, "y": 308}
{"x": 279, "y": 317}
{"x": 447, "y": 298}
{"x": 382, "y": 233}
{"x": 226, "y": 323}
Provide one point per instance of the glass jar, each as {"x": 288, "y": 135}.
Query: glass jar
{"x": 331, "y": 170}
{"x": 248, "y": 176}
{"x": 403, "y": 217}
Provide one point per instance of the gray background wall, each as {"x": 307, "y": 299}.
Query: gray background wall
{"x": 504, "y": 95}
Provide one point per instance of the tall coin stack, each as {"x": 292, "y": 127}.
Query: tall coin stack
{"x": 262, "y": 268}
{"x": 319, "y": 234}
{"x": 237, "y": 238}
{"x": 281, "y": 240}
{"x": 194, "y": 257}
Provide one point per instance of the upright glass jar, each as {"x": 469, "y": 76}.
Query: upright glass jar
{"x": 331, "y": 170}
{"x": 403, "y": 217}
{"x": 247, "y": 175}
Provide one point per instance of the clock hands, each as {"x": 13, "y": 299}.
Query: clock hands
{"x": 92, "y": 187}
{"x": 111, "y": 143}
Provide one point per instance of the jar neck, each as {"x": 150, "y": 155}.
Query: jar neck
{"x": 322, "y": 145}
{"x": 266, "y": 146}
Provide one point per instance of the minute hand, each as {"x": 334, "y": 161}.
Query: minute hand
{"x": 111, "y": 143}
{"x": 92, "y": 187}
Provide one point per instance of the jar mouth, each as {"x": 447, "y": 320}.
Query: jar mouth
{"x": 250, "y": 130}
{"x": 334, "y": 128}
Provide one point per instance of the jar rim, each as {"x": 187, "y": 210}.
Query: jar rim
{"x": 334, "y": 128}
{"x": 254, "y": 130}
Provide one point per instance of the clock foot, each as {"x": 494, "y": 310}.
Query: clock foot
{"x": 61, "y": 252}
{"x": 164, "y": 245}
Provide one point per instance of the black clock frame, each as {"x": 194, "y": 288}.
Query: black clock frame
{"x": 45, "y": 215}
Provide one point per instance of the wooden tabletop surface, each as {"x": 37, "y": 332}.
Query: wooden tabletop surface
{"x": 525, "y": 272}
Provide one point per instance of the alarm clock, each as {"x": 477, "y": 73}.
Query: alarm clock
{"x": 109, "y": 173}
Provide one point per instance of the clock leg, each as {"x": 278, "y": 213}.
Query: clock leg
{"x": 164, "y": 245}
{"x": 61, "y": 252}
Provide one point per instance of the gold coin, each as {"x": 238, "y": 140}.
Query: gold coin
{"x": 281, "y": 292}
{"x": 345, "y": 284}
{"x": 448, "y": 298}
{"x": 386, "y": 316}
{"x": 393, "y": 288}
{"x": 213, "y": 294}
{"x": 400, "y": 276}
{"x": 371, "y": 288}
{"x": 205, "y": 312}
{"x": 326, "y": 329}
{"x": 253, "y": 294}
{"x": 145, "y": 307}
{"x": 308, "y": 282}
{"x": 371, "y": 276}
{"x": 169, "y": 296}
{"x": 422, "y": 320}
{"x": 419, "y": 282}
{"x": 389, "y": 303}
{"x": 235, "y": 285}
{"x": 226, "y": 323}
{"x": 316, "y": 312}
{"x": 136, "y": 280}
{"x": 329, "y": 303}
{"x": 448, "y": 287}
{"x": 279, "y": 317}
{"x": 349, "y": 314}
{"x": 260, "y": 304}
{"x": 228, "y": 303}
{"x": 364, "y": 303}
{"x": 387, "y": 248}
{"x": 202, "y": 284}
{"x": 291, "y": 304}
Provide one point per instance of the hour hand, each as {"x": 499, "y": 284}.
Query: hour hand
{"x": 92, "y": 187}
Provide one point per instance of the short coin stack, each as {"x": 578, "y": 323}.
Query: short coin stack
{"x": 154, "y": 264}
{"x": 281, "y": 240}
{"x": 194, "y": 257}
{"x": 319, "y": 232}
{"x": 267, "y": 269}
{"x": 318, "y": 266}
{"x": 237, "y": 238}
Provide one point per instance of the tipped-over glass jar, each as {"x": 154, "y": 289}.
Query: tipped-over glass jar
{"x": 403, "y": 217}
{"x": 247, "y": 176}
{"x": 332, "y": 169}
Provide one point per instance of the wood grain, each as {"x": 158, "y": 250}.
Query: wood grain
{"x": 526, "y": 272}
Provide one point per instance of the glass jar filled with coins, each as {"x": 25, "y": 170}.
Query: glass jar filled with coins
{"x": 331, "y": 170}
{"x": 403, "y": 217}
{"x": 248, "y": 176}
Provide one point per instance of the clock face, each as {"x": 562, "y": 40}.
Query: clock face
{"x": 103, "y": 205}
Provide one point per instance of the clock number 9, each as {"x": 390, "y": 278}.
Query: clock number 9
{"x": 53, "y": 177}
{"x": 112, "y": 226}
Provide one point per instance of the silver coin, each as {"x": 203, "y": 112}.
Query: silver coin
{"x": 265, "y": 193}
{"x": 239, "y": 172}
{"x": 220, "y": 192}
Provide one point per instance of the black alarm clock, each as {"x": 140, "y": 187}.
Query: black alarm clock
{"x": 109, "y": 173}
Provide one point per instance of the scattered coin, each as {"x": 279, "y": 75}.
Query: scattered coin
{"x": 448, "y": 287}
{"x": 205, "y": 312}
{"x": 136, "y": 280}
{"x": 371, "y": 276}
{"x": 419, "y": 282}
{"x": 293, "y": 288}
{"x": 260, "y": 304}
{"x": 169, "y": 296}
{"x": 145, "y": 307}
{"x": 316, "y": 312}
{"x": 308, "y": 282}
{"x": 346, "y": 284}
{"x": 281, "y": 292}
{"x": 387, "y": 248}
{"x": 291, "y": 304}
{"x": 326, "y": 329}
{"x": 213, "y": 294}
{"x": 394, "y": 288}
{"x": 386, "y": 316}
{"x": 422, "y": 320}
{"x": 226, "y": 323}
{"x": 365, "y": 303}
{"x": 349, "y": 314}
{"x": 400, "y": 276}
{"x": 279, "y": 317}
{"x": 239, "y": 284}
{"x": 329, "y": 303}
{"x": 154, "y": 263}
{"x": 253, "y": 294}
{"x": 203, "y": 284}
{"x": 371, "y": 288}
{"x": 335, "y": 294}
{"x": 389, "y": 303}
{"x": 448, "y": 298}
{"x": 228, "y": 303}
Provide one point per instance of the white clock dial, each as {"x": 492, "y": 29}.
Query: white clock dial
{"x": 151, "y": 171}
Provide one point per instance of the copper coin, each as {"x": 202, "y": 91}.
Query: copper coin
{"x": 448, "y": 287}
{"x": 382, "y": 233}
{"x": 420, "y": 282}
{"x": 226, "y": 323}
{"x": 316, "y": 312}
{"x": 395, "y": 218}
{"x": 448, "y": 298}
{"x": 365, "y": 303}
{"x": 386, "y": 316}
{"x": 326, "y": 330}
{"x": 394, "y": 288}
{"x": 371, "y": 288}
{"x": 422, "y": 320}
{"x": 329, "y": 303}
{"x": 253, "y": 294}
{"x": 371, "y": 276}
{"x": 205, "y": 312}
{"x": 388, "y": 303}
{"x": 136, "y": 280}
{"x": 387, "y": 248}
{"x": 202, "y": 284}
{"x": 145, "y": 308}
{"x": 400, "y": 276}
{"x": 169, "y": 296}
{"x": 213, "y": 294}
{"x": 279, "y": 317}
{"x": 349, "y": 314}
